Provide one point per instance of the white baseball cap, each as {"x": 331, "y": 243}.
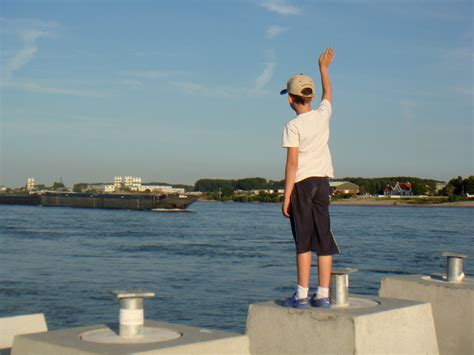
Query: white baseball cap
{"x": 300, "y": 85}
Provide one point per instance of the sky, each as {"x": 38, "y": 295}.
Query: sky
{"x": 175, "y": 91}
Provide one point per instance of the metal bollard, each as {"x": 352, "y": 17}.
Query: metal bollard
{"x": 339, "y": 287}
{"x": 131, "y": 317}
{"x": 454, "y": 266}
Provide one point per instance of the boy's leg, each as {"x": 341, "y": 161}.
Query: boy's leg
{"x": 325, "y": 243}
{"x": 324, "y": 270}
{"x": 303, "y": 266}
{"x": 300, "y": 298}
{"x": 302, "y": 229}
{"x": 321, "y": 298}
{"x": 300, "y": 214}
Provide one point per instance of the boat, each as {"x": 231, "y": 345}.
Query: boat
{"x": 129, "y": 201}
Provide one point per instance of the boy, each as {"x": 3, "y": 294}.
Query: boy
{"x": 308, "y": 167}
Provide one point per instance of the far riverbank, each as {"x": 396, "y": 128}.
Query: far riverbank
{"x": 380, "y": 201}
{"x": 375, "y": 201}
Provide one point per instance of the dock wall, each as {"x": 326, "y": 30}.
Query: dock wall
{"x": 453, "y": 307}
{"x": 378, "y": 326}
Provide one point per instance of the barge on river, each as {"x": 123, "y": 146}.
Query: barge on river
{"x": 111, "y": 201}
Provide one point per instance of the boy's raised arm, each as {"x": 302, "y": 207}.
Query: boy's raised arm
{"x": 325, "y": 59}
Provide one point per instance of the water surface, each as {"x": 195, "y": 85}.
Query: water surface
{"x": 206, "y": 266}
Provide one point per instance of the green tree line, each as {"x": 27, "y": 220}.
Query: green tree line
{"x": 260, "y": 197}
{"x": 459, "y": 187}
{"x": 373, "y": 186}
{"x": 376, "y": 186}
{"x": 366, "y": 185}
{"x": 227, "y": 187}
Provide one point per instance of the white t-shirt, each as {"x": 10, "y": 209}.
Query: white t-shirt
{"x": 310, "y": 133}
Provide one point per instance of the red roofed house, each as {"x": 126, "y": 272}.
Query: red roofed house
{"x": 400, "y": 189}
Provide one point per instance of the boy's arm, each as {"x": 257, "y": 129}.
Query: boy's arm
{"x": 290, "y": 176}
{"x": 325, "y": 59}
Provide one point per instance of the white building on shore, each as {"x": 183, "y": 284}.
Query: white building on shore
{"x": 134, "y": 183}
{"x": 117, "y": 183}
{"x": 162, "y": 188}
{"x": 30, "y": 184}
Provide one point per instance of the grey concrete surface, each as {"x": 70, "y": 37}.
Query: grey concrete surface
{"x": 24, "y": 324}
{"x": 452, "y": 303}
{"x": 193, "y": 341}
{"x": 391, "y": 327}
{"x": 148, "y": 335}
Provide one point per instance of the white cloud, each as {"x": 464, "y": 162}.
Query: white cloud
{"x": 281, "y": 7}
{"x": 192, "y": 88}
{"x": 21, "y": 58}
{"x": 29, "y": 32}
{"x": 36, "y": 88}
{"x": 17, "y": 25}
{"x": 458, "y": 55}
{"x": 133, "y": 84}
{"x": 274, "y": 31}
{"x": 149, "y": 74}
{"x": 136, "y": 79}
{"x": 263, "y": 79}
{"x": 464, "y": 90}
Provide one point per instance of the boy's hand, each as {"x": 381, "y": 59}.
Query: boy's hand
{"x": 285, "y": 207}
{"x": 326, "y": 58}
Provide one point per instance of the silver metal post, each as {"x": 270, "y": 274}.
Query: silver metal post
{"x": 454, "y": 266}
{"x": 339, "y": 287}
{"x": 131, "y": 317}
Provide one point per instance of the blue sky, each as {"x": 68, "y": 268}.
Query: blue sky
{"x": 181, "y": 90}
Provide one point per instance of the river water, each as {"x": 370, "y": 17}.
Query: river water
{"x": 206, "y": 266}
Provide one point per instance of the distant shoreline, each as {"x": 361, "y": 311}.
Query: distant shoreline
{"x": 377, "y": 202}
{"x": 399, "y": 202}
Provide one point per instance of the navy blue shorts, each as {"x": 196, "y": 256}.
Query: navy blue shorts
{"x": 309, "y": 217}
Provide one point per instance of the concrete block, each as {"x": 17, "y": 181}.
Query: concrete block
{"x": 452, "y": 303}
{"x": 366, "y": 326}
{"x": 24, "y": 324}
{"x": 192, "y": 341}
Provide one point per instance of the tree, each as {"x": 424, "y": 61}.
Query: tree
{"x": 418, "y": 188}
{"x": 276, "y": 185}
{"x": 469, "y": 185}
{"x": 431, "y": 187}
{"x": 80, "y": 187}
{"x": 58, "y": 186}
{"x": 227, "y": 191}
{"x": 213, "y": 185}
{"x": 459, "y": 187}
{"x": 251, "y": 184}
{"x": 455, "y": 186}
